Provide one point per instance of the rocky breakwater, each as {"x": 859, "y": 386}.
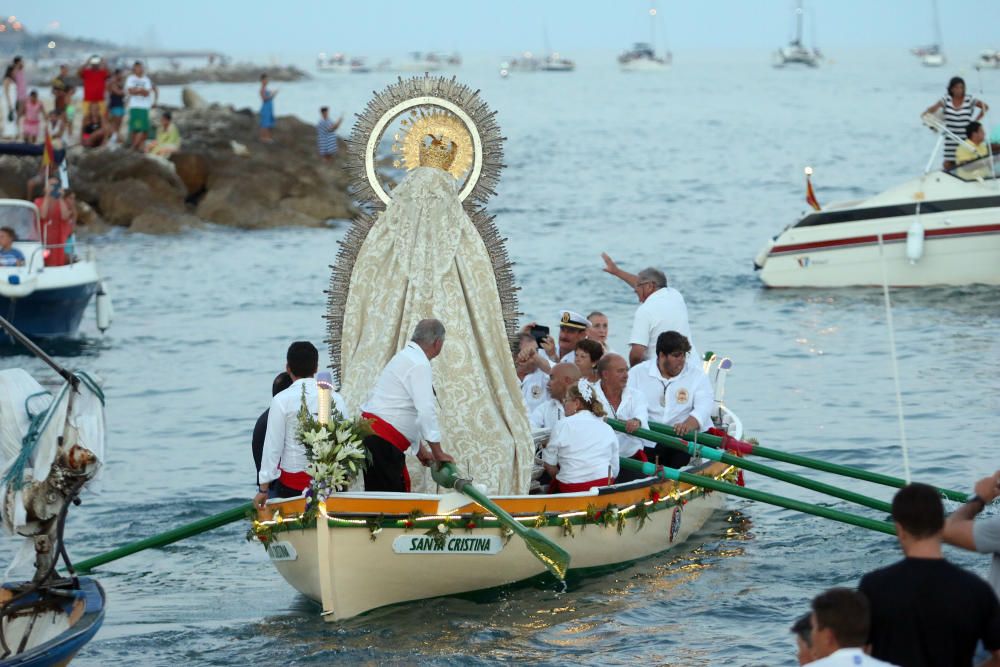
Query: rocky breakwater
{"x": 222, "y": 175}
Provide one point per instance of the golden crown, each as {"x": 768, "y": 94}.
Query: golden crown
{"x": 437, "y": 153}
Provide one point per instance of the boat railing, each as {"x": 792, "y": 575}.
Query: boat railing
{"x": 42, "y": 250}
{"x": 984, "y": 168}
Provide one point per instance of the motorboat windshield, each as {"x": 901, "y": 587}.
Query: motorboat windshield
{"x": 985, "y": 168}
{"x": 22, "y": 217}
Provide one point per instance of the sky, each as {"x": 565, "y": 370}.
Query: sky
{"x": 252, "y": 28}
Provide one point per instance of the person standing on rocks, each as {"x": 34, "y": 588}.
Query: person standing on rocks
{"x": 95, "y": 77}
{"x": 142, "y": 96}
{"x": 116, "y": 105}
{"x": 326, "y": 134}
{"x": 266, "y": 110}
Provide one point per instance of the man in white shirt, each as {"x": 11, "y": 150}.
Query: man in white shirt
{"x": 546, "y": 415}
{"x": 841, "y": 620}
{"x": 142, "y": 96}
{"x": 677, "y": 393}
{"x": 572, "y": 329}
{"x": 402, "y": 412}
{"x": 625, "y": 403}
{"x": 661, "y": 308}
{"x": 283, "y": 460}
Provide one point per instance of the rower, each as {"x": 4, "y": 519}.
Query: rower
{"x": 677, "y": 393}
{"x": 402, "y": 413}
{"x": 625, "y": 403}
{"x": 283, "y": 461}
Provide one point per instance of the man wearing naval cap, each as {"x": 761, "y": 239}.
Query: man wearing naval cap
{"x": 572, "y": 329}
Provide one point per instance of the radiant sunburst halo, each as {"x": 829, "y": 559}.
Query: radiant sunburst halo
{"x": 440, "y": 124}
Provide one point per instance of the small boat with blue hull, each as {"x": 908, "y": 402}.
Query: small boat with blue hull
{"x": 48, "y": 626}
{"x": 42, "y": 297}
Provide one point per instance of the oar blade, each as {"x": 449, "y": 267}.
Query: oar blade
{"x": 552, "y": 556}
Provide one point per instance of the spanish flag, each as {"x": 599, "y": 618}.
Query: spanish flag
{"x": 48, "y": 153}
{"x": 810, "y": 195}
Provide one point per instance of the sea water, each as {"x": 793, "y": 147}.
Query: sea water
{"x": 690, "y": 170}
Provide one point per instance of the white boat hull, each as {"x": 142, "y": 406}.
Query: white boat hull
{"x": 340, "y": 566}
{"x": 644, "y": 65}
{"x": 960, "y": 242}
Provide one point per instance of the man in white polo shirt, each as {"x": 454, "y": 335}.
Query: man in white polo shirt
{"x": 661, "y": 308}
{"x": 677, "y": 393}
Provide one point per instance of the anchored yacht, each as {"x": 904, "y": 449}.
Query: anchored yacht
{"x": 942, "y": 228}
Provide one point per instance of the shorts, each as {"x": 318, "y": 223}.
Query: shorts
{"x": 87, "y": 104}
{"x": 138, "y": 121}
{"x": 117, "y": 112}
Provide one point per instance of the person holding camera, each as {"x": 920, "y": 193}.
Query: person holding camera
{"x": 962, "y": 530}
{"x": 56, "y": 222}
{"x": 534, "y": 380}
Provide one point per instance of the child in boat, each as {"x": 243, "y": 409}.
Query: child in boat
{"x": 583, "y": 451}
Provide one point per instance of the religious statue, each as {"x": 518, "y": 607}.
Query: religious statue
{"x": 429, "y": 252}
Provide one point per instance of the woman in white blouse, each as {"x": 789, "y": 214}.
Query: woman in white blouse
{"x": 583, "y": 451}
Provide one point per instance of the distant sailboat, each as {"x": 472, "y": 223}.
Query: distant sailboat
{"x": 642, "y": 56}
{"x": 795, "y": 53}
{"x": 553, "y": 62}
{"x": 933, "y": 55}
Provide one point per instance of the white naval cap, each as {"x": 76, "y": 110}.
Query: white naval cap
{"x": 573, "y": 320}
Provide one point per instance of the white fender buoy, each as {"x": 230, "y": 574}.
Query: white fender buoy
{"x": 105, "y": 311}
{"x": 915, "y": 242}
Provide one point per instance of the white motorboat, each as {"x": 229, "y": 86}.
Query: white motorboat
{"x": 556, "y": 63}
{"x": 796, "y": 53}
{"x": 642, "y": 58}
{"x": 988, "y": 59}
{"x": 48, "y": 294}
{"x": 429, "y": 62}
{"x": 340, "y": 64}
{"x": 942, "y": 228}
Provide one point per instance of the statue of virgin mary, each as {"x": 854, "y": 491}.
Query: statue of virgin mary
{"x": 423, "y": 257}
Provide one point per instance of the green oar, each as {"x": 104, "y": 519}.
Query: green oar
{"x": 553, "y": 557}
{"x": 804, "y": 461}
{"x": 652, "y": 470}
{"x": 169, "y": 537}
{"x": 713, "y": 454}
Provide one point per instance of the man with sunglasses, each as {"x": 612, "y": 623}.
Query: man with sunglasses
{"x": 677, "y": 393}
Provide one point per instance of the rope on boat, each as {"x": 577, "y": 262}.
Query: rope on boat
{"x": 892, "y": 353}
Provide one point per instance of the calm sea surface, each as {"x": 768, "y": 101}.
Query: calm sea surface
{"x": 690, "y": 170}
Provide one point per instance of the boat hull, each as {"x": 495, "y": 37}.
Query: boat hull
{"x": 955, "y": 251}
{"x": 341, "y": 566}
{"x": 51, "y": 312}
{"x": 62, "y": 632}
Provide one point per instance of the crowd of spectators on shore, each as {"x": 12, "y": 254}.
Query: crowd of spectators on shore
{"x": 89, "y": 107}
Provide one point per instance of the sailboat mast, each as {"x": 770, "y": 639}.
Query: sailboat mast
{"x": 798, "y": 23}
{"x": 937, "y": 25}
{"x": 652, "y": 26}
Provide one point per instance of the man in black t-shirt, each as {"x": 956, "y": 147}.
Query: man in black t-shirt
{"x": 927, "y": 612}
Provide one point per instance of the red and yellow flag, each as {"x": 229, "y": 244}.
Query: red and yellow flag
{"x": 48, "y": 152}
{"x": 810, "y": 195}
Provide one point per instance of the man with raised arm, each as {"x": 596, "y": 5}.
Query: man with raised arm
{"x": 283, "y": 461}
{"x": 677, "y": 393}
{"x": 661, "y": 308}
{"x": 402, "y": 412}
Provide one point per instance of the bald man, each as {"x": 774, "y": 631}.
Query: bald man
{"x": 551, "y": 411}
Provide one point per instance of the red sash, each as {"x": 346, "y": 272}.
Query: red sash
{"x": 295, "y": 480}
{"x": 388, "y": 432}
{"x": 563, "y": 487}
{"x": 640, "y": 456}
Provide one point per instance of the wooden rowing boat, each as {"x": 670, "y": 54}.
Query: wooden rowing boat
{"x": 362, "y": 551}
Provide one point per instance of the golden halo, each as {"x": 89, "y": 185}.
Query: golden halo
{"x": 442, "y": 125}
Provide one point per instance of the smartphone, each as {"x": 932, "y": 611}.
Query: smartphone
{"x": 539, "y": 333}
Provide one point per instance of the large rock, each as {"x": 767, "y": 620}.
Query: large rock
{"x": 121, "y": 202}
{"x": 192, "y": 169}
{"x": 192, "y": 100}
{"x": 163, "y": 221}
{"x": 257, "y": 187}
